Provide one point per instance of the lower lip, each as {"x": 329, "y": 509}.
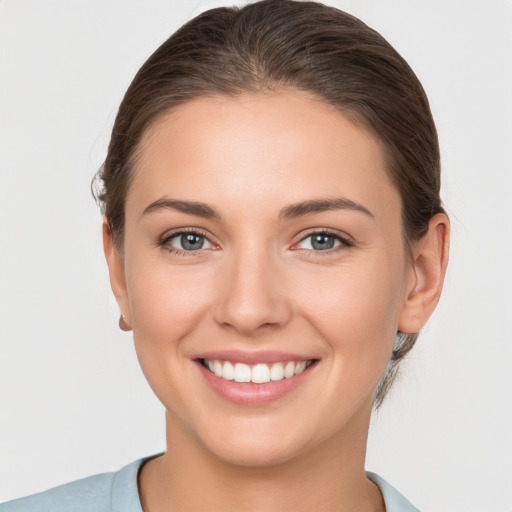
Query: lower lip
{"x": 249, "y": 393}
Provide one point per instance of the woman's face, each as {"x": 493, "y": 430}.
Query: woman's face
{"x": 263, "y": 236}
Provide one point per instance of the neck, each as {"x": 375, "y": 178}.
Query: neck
{"x": 328, "y": 477}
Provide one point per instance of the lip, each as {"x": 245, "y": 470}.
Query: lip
{"x": 249, "y": 393}
{"x": 251, "y": 358}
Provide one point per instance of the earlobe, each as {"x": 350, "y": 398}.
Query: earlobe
{"x": 117, "y": 276}
{"x": 430, "y": 259}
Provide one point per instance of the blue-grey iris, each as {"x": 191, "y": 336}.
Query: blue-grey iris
{"x": 322, "y": 242}
{"x": 191, "y": 241}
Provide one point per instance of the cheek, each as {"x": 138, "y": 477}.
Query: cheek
{"x": 165, "y": 307}
{"x": 166, "y": 304}
{"x": 164, "y": 295}
{"x": 356, "y": 310}
{"x": 358, "y": 319}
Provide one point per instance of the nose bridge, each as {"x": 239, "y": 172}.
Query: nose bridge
{"x": 252, "y": 296}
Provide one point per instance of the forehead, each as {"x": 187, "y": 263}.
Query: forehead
{"x": 265, "y": 147}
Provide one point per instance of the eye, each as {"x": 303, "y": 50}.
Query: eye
{"x": 322, "y": 241}
{"x": 187, "y": 241}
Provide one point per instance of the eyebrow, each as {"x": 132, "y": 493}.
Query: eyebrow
{"x": 289, "y": 212}
{"x": 321, "y": 205}
{"x": 190, "y": 207}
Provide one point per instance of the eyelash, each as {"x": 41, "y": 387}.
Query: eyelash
{"x": 345, "y": 242}
{"x": 164, "y": 242}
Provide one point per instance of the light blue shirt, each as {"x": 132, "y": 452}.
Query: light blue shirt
{"x": 118, "y": 492}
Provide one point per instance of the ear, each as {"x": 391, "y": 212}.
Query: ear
{"x": 117, "y": 276}
{"x": 430, "y": 259}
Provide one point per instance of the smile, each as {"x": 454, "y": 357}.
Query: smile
{"x": 259, "y": 373}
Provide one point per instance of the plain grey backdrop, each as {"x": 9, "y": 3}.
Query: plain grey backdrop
{"x": 73, "y": 401}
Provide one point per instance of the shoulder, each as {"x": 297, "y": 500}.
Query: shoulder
{"x": 87, "y": 494}
{"x": 106, "y": 492}
{"x": 393, "y": 500}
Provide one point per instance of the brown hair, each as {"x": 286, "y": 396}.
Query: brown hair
{"x": 278, "y": 45}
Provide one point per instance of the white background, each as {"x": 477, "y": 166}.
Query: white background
{"x": 73, "y": 400}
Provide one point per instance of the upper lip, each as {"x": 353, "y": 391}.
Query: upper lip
{"x": 248, "y": 357}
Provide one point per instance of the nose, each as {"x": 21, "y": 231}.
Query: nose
{"x": 252, "y": 296}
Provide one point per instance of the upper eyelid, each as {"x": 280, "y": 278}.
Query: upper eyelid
{"x": 170, "y": 233}
{"x": 345, "y": 243}
{"x": 342, "y": 236}
{"x": 324, "y": 231}
{"x": 164, "y": 242}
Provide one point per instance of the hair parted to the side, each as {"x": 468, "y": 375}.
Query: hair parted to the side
{"x": 275, "y": 45}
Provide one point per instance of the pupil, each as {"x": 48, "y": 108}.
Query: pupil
{"x": 322, "y": 242}
{"x": 191, "y": 242}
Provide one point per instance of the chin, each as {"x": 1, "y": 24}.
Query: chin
{"x": 255, "y": 453}
{"x": 262, "y": 442}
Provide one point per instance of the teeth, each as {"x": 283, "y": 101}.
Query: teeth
{"x": 242, "y": 372}
{"x": 228, "y": 371}
{"x": 300, "y": 367}
{"x": 259, "y": 374}
{"x": 289, "y": 369}
{"x": 217, "y": 368}
{"x": 277, "y": 372}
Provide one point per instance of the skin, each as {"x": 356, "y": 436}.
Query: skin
{"x": 257, "y": 284}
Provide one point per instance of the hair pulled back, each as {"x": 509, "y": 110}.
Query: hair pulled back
{"x": 278, "y": 45}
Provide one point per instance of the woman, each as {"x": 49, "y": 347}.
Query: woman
{"x": 275, "y": 240}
